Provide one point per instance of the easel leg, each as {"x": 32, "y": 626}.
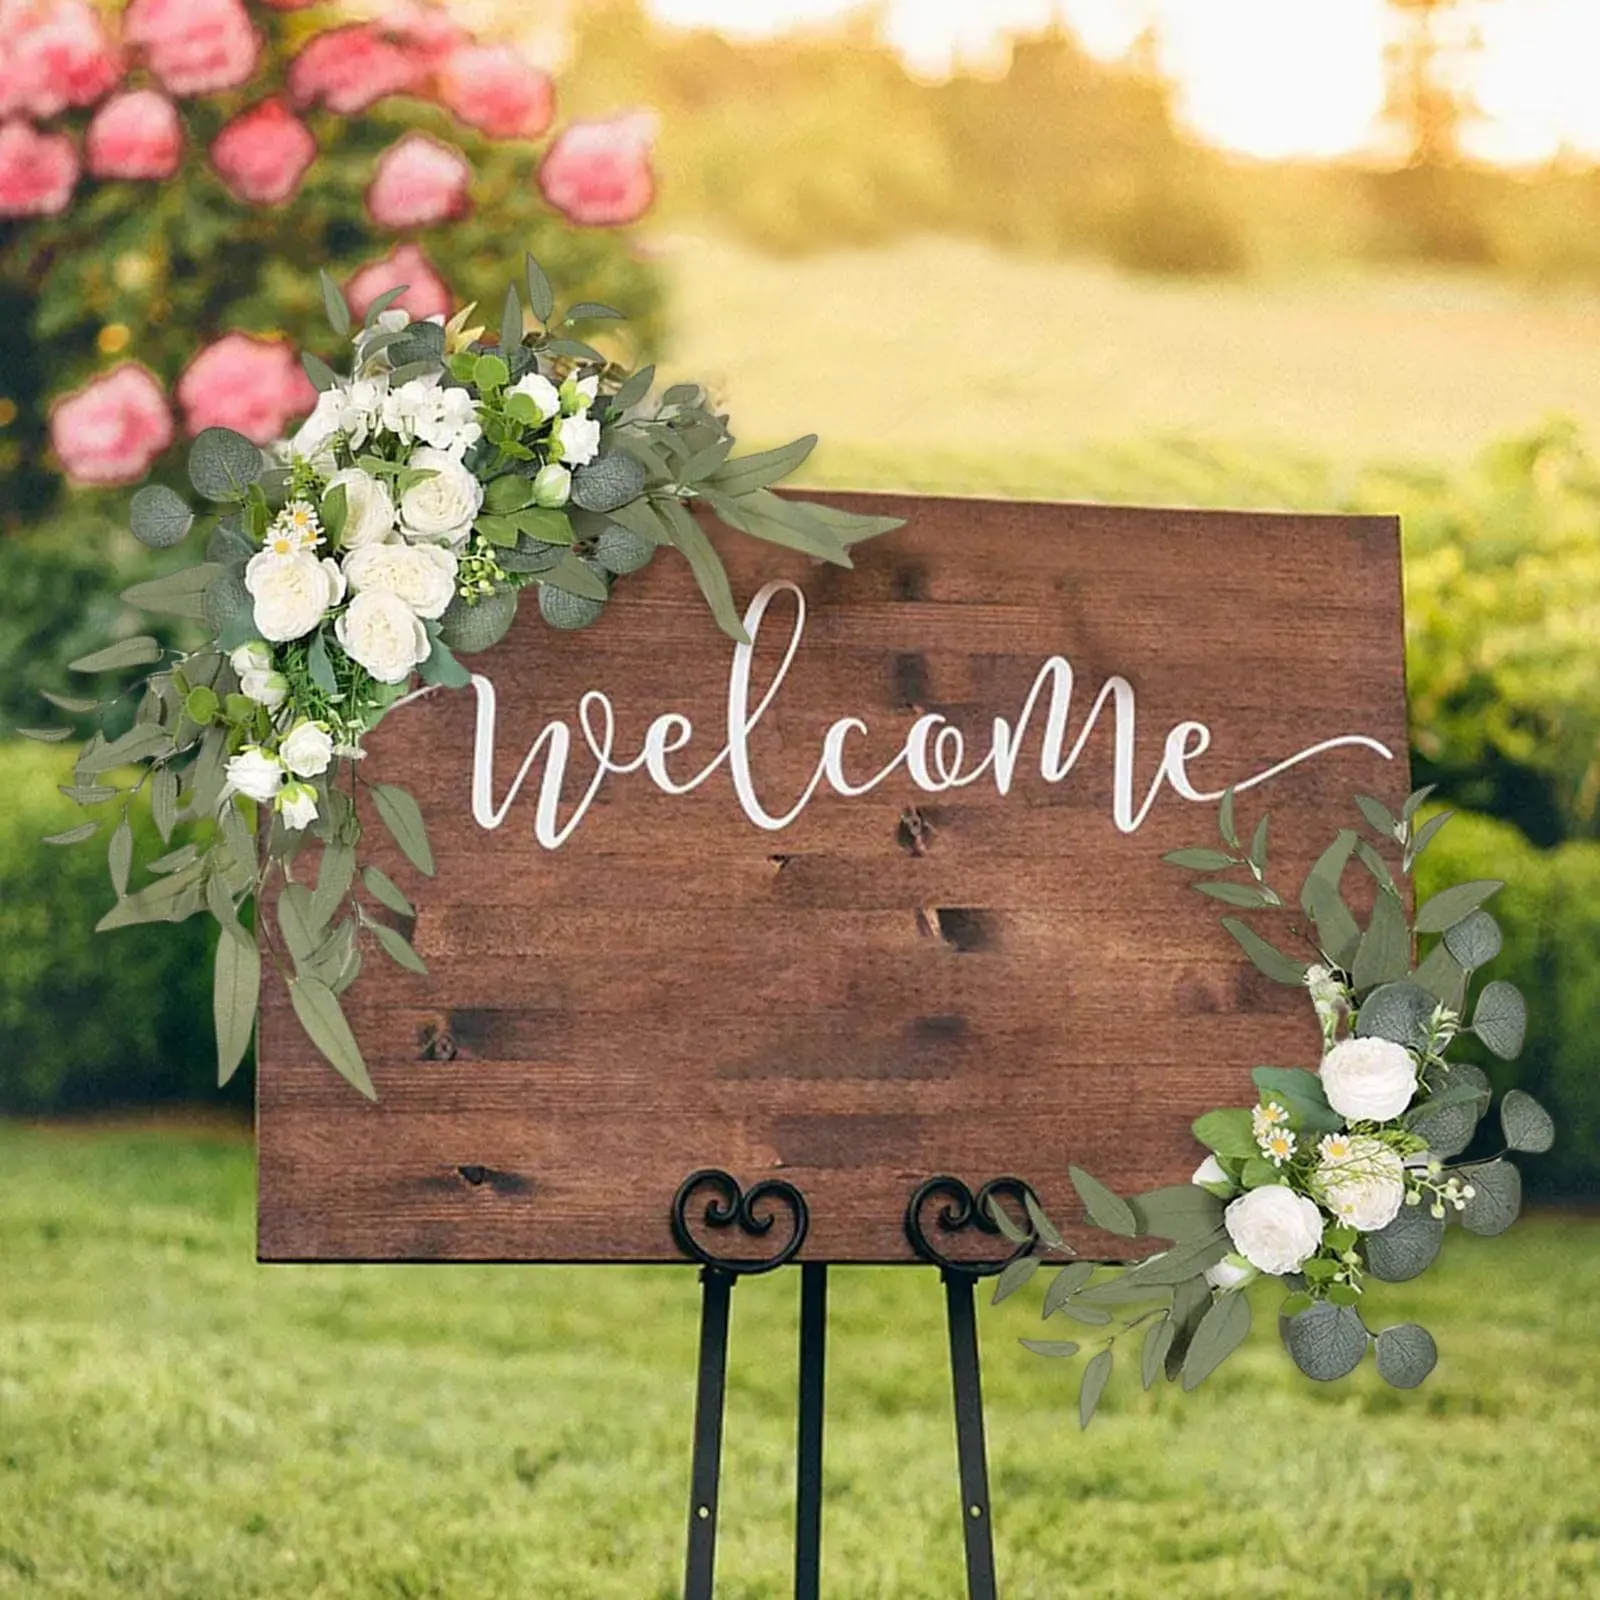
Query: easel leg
{"x": 970, "y": 1451}
{"x": 710, "y": 1395}
{"x": 808, "y": 1452}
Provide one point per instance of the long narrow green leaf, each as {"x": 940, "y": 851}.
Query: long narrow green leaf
{"x": 320, "y": 1014}
{"x": 403, "y": 818}
{"x": 236, "y": 991}
{"x": 688, "y": 537}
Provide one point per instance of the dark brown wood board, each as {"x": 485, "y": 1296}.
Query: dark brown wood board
{"x": 899, "y": 982}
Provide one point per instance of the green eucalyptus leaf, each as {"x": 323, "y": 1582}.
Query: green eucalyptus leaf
{"x": 1059, "y": 1348}
{"x": 322, "y": 376}
{"x": 397, "y": 947}
{"x": 1200, "y": 860}
{"x": 1096, "y": 1375}
{"x": 84, "y": 830}
{"x": 1406, "y": 1354}
{"x": 1067, "y": 1282}
{"x": 467, "y": 629}
{"x": 1015, "y": 1275}
{"x": 1445, "y": 909}
{"x": 540, "y": 295}
{"x": 1448, "y": 1128}
{"x": 1327, "y": 1342}
{"x": 334, "y": 304}
{"x": 1398, "y": 1012}
{"x": 1474, "y": 941}
{"x": 1153, "y": 1352}
{"x": 1526, "y": 1123}
{"x": 402, "y": 817}
{"x": 633, "y": 390}
{"x": 120, "y": 856}
{"x": 159, "y": 517}
{"x": 1267, "y": 957}
{"x": 1405, "y": 1248}
{"x": 236, "y": 992}
{"x": 608, "y": 482}
{"x": 139, "y": 651}
{"x": 1384, "y": 954}
{"x": 745, "y": 474}
{"x": 1221, "y": 1331}
{"x": 223, "y": 464}
{"x": 690, "y": 539}
{"x": 1105, "y": 1208}
{"x": 45, "y": 735}
{"x": 622, "y": 552}
{"x": 386, "y": 891}
{"x": 562, "y": 609}
{"x": 1500, "y": 1018}
{"x": 1180, "y": 1212}
{"x": 320, "y": 1014}
{"x": 1496, "y": 1198}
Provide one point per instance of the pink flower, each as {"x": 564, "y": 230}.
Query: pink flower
{"x": 419, "y": 182}
{"x": 56, "y": 55}
{"x": 288, "y": 5}
{"x": 427, "y": 294}
{"x": 194, "y": 46}
{"x": 38, "y": 171}
{"x": 135, "y": 135}
{"x": 253, "y": 386}
{"x": 349, "y": 69}
{"x": 113, "y": 428}
{"x": 491, "y": 88}
{"x": 429, "y": 32}
{"x": 263, "y": 153}
{"x": 598, "y": 173}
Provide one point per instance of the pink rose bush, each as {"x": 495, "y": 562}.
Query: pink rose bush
{"x": 38, "y": 171}
{"x": 345, "y": 133}
{"x": 254, "y": 386}
{"x": 111, "y": 431}
{"x": 194, "y": 46}
{"x": 492, "y": 88}
{"x": 427, "y": 294}
{"x": 263, "y": 153}
{"x": 419, "y": 182}
{"x": 598, "y": 173}
{"x": 56, "y": 55}
{"x": 135, "y": 135}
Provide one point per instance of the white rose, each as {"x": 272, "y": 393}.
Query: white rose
{"x": 292, "y": 593}
{"x": 256, "y": 773}
{"x": 1365, "y": 1187}
{"x": 452, "y": 423}
{"x": 1209, "y": 1175}
{"x": 1231, "y": 1272}
{"x": 423, "y": 575}
{"x": 307, "y": 750}
{"x": 253, "y": 657}
{"x": 368, "y": 508}
{"x": 1274, "y": 1229}
{"x": 580, "y": 440}
{"x": 443, "y": 506}
{"x": 383, "y": 634}
{"x": 1369, "y": 1080}
{"x": 541, "y": 391}
{"x": 269, "y": 689}
{"x": 297, "y": 805}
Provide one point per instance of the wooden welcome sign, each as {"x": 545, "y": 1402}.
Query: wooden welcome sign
{"x": 877, "y": 897}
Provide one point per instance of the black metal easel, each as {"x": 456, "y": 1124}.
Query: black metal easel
{"x": 954, "y": 1208}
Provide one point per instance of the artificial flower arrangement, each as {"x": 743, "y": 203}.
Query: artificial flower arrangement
{"x": 399, "y": 528}
{"x": 1335, "y": 1178}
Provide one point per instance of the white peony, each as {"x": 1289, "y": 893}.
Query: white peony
{"x": 443, "y": 506}
{"x": 292, "y": 593}
{"x": 1369, "y": 1080}
{"x": 1231, "y": 1272}
{"x": 307, "y": 750}
{"x": 1209, "y": 1175}
{"x": 269, "y": 689}
{"x": 253, "y": 657}
{"x": 579, "y": 438}
{"x": 1361, "y": 1181}
{"x": 368, "y": 508}
{"x": 297, "y": 805}
{"x": 383, "y": 634}
{"x": 255, "y": 773}
{"x": 552, "y": 485}
{"x": 1274, "y": 1229}
{"x": 541, "y": 391}
{"x": 423, "y": 575}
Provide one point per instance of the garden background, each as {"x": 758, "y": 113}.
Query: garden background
{"x": 1024, "y": 274}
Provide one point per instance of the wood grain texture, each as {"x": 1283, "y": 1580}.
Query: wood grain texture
{"x": 898, "y": 984}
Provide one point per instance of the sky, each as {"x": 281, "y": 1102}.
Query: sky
{"x": 1269, "y": 78}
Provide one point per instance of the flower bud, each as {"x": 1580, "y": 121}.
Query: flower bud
{"x": 552, "y": 486}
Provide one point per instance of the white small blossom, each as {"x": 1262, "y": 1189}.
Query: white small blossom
{"x": 255, "y": 773}
{"x": 1277, "y": 1146}
{"x": 253, "y": 657}
{"x": 425, "y": 412}
{"x": 541, "y": 391}
{"x": 579, "y": 439}
{"x": 307, "y": 749}
{"x": 1231, "y": 1272}
{"x": 297, "y": 805}
{"x": 577, "y": 394}
{"x": 552, "y": 485}
{"x": 295, "y": 529}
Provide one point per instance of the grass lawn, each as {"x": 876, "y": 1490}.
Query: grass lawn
{"x": 176, "y": 1421}
{"x": 940, "y": 363}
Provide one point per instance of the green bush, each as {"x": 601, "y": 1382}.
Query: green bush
{"x": 86, "y": 1019}
{"x": 1550, "y": 912}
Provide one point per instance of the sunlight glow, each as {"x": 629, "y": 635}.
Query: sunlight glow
{"x": 1269, "y": 78}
